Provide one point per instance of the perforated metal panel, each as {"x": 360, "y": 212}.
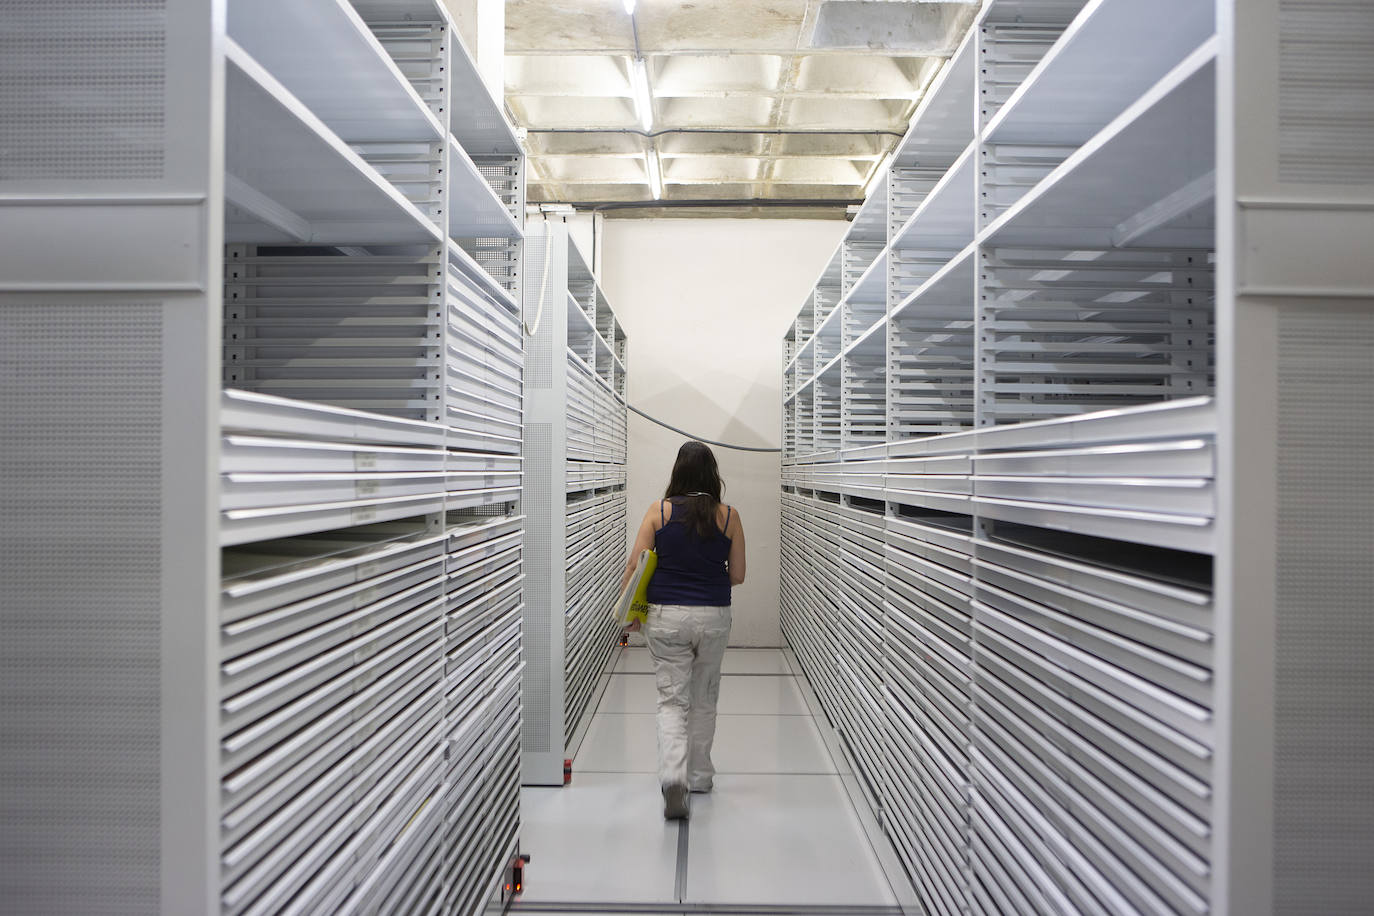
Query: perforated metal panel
{"x": 82, "y": 89}
{"x": 1326, "y": 122}
{"x": 538, "y": 598}
{"x": 80, "y": 604}
{"x": 1324, "y": 725}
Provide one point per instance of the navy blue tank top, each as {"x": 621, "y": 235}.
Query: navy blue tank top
{"x": 690, "y": 570}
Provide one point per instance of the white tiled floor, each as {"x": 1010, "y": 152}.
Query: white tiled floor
{"x": 603, "y": 839}
{"x": 636, "y": 660}
{"x": 778, "y": 829}
{"x": 628, "y": 743}
{"x": 739, "y": 696}
{"x": 780, "y": 839}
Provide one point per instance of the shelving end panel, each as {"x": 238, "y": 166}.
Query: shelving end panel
{"x": 110, "y": 238}
{"x": 545, "y": 453}
{"x": 1295, "y": 196}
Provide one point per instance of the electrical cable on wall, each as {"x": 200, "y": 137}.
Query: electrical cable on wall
{"x": 543, "y": 289}
{"x": 738, "y": 448}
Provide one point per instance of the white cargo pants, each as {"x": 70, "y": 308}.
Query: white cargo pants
{"x": 687, "y": 644}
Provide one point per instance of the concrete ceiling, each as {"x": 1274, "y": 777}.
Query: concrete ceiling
{"x": 751, "y": 100}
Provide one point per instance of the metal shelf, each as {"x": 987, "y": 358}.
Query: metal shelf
{"x": 474, "y": 209}
{"x": 871, "y": 287}
{"x": 323, "y": 53}
{"x": 1164, "y": 142}
{"x": 943, "y": 124}
{"x": 291, "y": 179}
{"x": 952, "y": 284}
{"x": 870, "y": 223}
{"x": 476, "y": 118}
{"x": 944, "y": 220}
{"x": 1107, "y": 58}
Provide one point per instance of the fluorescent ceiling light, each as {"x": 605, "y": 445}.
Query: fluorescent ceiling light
{"x": 655, "y": 174}
{"x": 639, "y": 84}
{"x": 629, "y": 7}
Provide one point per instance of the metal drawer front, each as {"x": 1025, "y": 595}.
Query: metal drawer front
{"x": 1170, "y": 458}
{"x": 940, "y": 628}
{"x": 487, "y": 559}
{"x": 1145, "y": 823}
{"x": 1186, "y": 606}
{"x": 289, "y": 869}
{"x": 248, "y": 802}
{"x": 1148, "y": 887}
{"x": 1173, "y": 674}
{"x": 1134, "y": 769}
{"x": 259, "y": 647}
{"x": 1050, "y": 860}
{"x": 300, "y": 675}
{"x": 494, "y": 380}
{"x": 1184, "y": 715}
{"x": 246, "y": 632}
{"x": 500, "y": 427}
{"x": 1189, "y": 496}
{"x": 265, "y": 455}
{"x": 249, "y": 588}
{"x": 261, "y": 491}
{"x": 311, "y": 719}
{"x": 482, "y": 543}
{"x": 244, "y": 774}
{"x": 254, "y": 413}
{"x": 306, "y": 816}
{"x": 1094, "y": 710}
{"x": 1190, "y": 643}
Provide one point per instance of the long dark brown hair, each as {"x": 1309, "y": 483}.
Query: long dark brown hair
{"x": 696, "y": 482}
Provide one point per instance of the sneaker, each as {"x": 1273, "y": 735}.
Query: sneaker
{"x": 701, "y": 789}
{"x": 674, "y": 802}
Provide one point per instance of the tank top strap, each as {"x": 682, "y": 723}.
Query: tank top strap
{"x": 726, "y": 530}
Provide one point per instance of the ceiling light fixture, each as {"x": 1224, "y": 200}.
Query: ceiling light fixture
{"x": 655, "y": 173}
{"x": 639, "y": 84}
{"x": 629, "y": 7}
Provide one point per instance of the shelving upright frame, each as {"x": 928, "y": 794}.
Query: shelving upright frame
{"x": 184, "y": 128}
{"x": 576, "y": 452}
{"x": 1115, "y": 230}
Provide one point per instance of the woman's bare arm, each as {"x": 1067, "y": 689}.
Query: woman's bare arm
{"x": 735, "y": 531}
{"x": 644, "y": 540}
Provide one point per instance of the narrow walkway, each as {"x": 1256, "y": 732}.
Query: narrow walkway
{"x": 777, "y": 834}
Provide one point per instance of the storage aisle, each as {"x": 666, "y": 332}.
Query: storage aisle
{"x": 778, "y": 831}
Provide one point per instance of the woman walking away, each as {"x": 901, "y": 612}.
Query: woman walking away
{"x": 700, "y": 545}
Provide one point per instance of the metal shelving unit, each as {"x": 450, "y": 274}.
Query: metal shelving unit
{"x": 575, "y": 506}
{"x": 316, "y": 658}
{"x": 1017, "y": 521}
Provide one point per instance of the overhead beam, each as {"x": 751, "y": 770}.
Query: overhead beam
{"x": 786, "y": 51}
{"x": 853, "y": 132}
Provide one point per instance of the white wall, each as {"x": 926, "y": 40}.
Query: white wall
{"x": 705, "y": 303}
